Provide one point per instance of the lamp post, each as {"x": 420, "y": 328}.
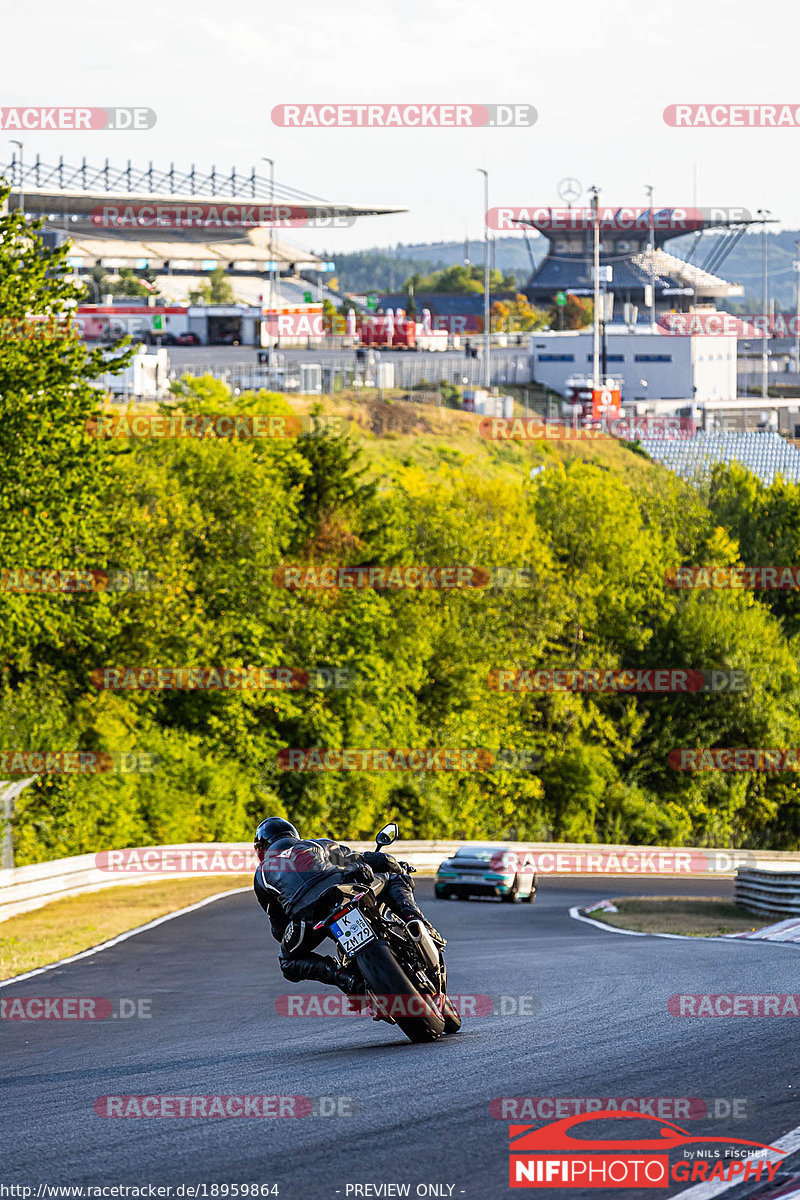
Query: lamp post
{"x": 271, "y": 162}
{"x": 14, "y": 142}
{"x": 764, "y": 214}
{"x": 649, "y": 190}
{"x": 487, "y": 373}
{"x": 594, "y": 192}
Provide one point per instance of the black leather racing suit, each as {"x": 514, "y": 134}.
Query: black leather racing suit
{"x": 290, "y": 883}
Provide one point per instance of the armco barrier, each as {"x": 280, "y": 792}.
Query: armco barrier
{"x": 759, "y": 890}
{"x": 25, "y": 888}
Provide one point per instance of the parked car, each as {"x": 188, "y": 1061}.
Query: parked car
{"x": 187, "y": 339}
{"x": 486, "y": 871}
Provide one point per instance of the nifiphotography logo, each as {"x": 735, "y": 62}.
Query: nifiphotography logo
{"x": 553, "y": 1157}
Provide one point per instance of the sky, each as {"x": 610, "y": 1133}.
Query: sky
{"x": 599, "y": 75}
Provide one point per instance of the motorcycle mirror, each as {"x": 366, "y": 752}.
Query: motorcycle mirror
{"x": 387, "y": 835}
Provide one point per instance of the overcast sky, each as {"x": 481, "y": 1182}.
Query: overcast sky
{"x": 599, "y": 74}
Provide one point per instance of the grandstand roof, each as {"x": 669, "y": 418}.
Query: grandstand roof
{"x": 669, "y": 265}
{"x": 570, "y": 272}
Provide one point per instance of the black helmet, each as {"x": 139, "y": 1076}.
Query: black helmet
{"x": 271, "y": 831}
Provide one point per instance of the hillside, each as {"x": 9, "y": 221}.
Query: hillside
{"x": 566, "y": 571}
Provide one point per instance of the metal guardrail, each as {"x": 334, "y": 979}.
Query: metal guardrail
{"x": 760, "y": 890}
{"x": 23, "y": 889}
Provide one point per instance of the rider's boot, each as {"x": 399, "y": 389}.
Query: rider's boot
{"x": 321, "y": 969}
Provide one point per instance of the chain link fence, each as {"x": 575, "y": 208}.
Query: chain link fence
{"x": 346, "y": 372}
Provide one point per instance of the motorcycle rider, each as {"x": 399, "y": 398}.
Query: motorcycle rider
{"x": 293, "y": 875}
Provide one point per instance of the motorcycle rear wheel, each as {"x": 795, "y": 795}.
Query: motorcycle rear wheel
{"x": 384, "y": 977}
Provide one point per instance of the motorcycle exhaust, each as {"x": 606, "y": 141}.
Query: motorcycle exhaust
{"x": 423, "y": 940}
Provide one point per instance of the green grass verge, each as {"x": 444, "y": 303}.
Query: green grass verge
{"x": 66, "y": 927}
{"x": 691, "y": 916}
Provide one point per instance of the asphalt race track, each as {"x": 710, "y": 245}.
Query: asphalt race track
{"x": 423, "y": 1116}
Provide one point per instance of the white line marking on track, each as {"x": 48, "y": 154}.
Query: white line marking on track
{"x": 704, "y": 1191}
{"x": 122, "y": 937}
{"x": 788, "y": 1143}
{"x": 576, "y": 915}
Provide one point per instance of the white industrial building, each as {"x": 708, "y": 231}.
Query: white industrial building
{"x": 653, "y": 367}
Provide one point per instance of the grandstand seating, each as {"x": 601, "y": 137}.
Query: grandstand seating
{"x": 765, "y": 453}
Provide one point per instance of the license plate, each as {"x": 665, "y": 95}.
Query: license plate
{"x": 352, "y": 931}
{"x": 471, "y": 879}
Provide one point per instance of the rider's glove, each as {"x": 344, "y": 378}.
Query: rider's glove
{"x": 407, "y": 867}
{"x": 360, "y": 873}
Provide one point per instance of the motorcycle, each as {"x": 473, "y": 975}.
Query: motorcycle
{"x": 404, "y": 972}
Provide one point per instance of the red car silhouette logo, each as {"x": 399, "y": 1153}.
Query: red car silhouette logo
{"x": 557, "y": 1137}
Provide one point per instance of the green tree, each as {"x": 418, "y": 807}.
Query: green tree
{"x": 513, "y": 316}
{"x": 216, "y": 290}
{"x": 128, "y": 284}
{"x": 577, "y": 313}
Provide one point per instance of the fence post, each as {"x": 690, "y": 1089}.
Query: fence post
{"x": 8, "y": 794}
